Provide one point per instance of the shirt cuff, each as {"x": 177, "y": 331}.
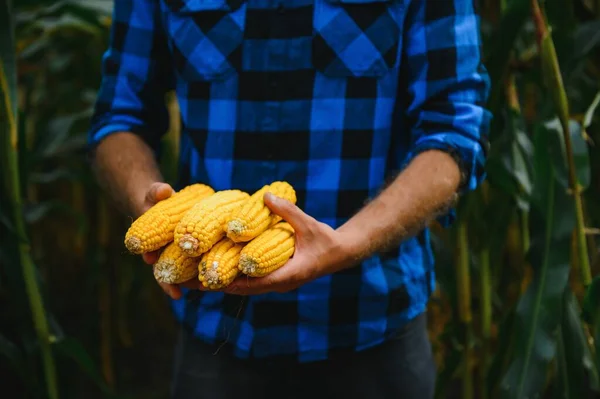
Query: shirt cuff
{"x": 107, "y": 130}
{"x": 469, "y": 155}
{"x": 102, "y": 130}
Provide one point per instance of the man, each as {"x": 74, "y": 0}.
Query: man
{"x": 334, "y": 97}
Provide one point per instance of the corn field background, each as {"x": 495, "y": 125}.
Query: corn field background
{"x": 517, "y": 309}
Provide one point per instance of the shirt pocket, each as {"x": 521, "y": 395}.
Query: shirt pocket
{"x": 205, "y": 37}
{"x": 357, "y": 38}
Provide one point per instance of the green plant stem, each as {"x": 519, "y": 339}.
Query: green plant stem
{"x": 464, "y": 305}
{"x": 486, "y": 317}
{"x": 11, "y": 176}
{"x": 584, "y": 262}
{"x": 552, "y": 74}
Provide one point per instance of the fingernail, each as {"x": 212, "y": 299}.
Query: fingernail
{"x": 272, "y": 197}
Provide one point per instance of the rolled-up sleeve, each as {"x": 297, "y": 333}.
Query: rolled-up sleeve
{"x": 446, "y": 85}
{"x": 136, "y": 74}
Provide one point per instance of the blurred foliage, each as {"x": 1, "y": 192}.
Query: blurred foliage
{"x": 514, "y": 314}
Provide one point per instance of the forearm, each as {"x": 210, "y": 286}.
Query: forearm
{"x": 125, "y": 168}
{"x": 427, "y": 187}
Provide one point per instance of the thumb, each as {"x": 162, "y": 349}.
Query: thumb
{"x": 158, "y": 191}
{"x": 299, "y": 220}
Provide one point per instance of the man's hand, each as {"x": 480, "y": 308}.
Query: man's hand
{"x": 319, "y": 251}
{"x": 158, "y": 192}
{"x": 418, "y": 194}
{"x": 424, "y": 189}
{"x": 126, "y": 169}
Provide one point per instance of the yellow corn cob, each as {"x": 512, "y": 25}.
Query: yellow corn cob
{"x": 219, "y": 266}
{"x": 174, "y": 267}
{"x": 155, "y": 228}
{"x": 269, "y": 251}
{"x": 254, "y": 217}
{"x": 203, "y": 225}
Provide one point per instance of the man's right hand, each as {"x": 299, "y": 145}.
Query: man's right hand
{"x": 158, "y": 192}
{"x": 126, "y": 169}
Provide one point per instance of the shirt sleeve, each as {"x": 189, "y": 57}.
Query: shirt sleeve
{"x": 136, "y": 75}
{"x": 446, "y": 85}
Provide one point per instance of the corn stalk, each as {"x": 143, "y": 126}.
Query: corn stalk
{"x": 464, "y": 306}
{"x": 486, "y": 317}
{"x": 11, "y": 176}
{"x": 485, "y": 292}
{"x": 552, "y": 75}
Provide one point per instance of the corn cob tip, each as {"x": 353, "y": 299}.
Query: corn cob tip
{"x": 209, "y": 277}
{"x": 188, "y": 244}
{"x": 235, "y": 227}
{"x": 247, "y": 265}
{"x": 212, "y": 276}
{"x": 163, "y": 271}
{"x": 133, "y": 245}
{"x": 172, "y": 268}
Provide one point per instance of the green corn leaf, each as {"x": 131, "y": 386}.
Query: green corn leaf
{"x": 502, "y": 44}
{"x": 581, "y": 156}
{"x": 591, "y": 314}
{"x": 509, "y": 166}
{"x": 564, "y": 387}
{"x": 584, "y": 40}
{"x": 591, "y": 303}
{"x": 589, "y": 113}
{"x": 575, "y": 362}
{"x": 505, "y": 347}
{"x": 101, "y": 7}
{"x": 537, "y": 318}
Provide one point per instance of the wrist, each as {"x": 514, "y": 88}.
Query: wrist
{"x": 354, "y": 244}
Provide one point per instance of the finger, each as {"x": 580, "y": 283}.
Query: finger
{"x": 158, "y": 192}
{"x": 300, "y": 221}
{"x": 151, "y": 257}
{"x": 275, "y": 281}
{"x": 171, "y": 290}
{"x": 192, "y": 284}
{"x": 245, "y": 285}
{"x": 243, "y": 290}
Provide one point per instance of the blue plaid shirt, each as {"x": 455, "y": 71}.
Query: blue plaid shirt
{"x": 333, "y": 96}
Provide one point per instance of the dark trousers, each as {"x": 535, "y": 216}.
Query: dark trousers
{"x": 400, "y": 368}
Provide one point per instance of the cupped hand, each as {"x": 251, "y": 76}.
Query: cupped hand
{"x": 320, "y": 250}
{"x": 158, "y": 192}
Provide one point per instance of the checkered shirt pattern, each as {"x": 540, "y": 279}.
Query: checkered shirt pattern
{"x": 333, "y": 96}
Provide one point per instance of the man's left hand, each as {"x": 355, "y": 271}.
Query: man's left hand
{"x": 320, "y": 250}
